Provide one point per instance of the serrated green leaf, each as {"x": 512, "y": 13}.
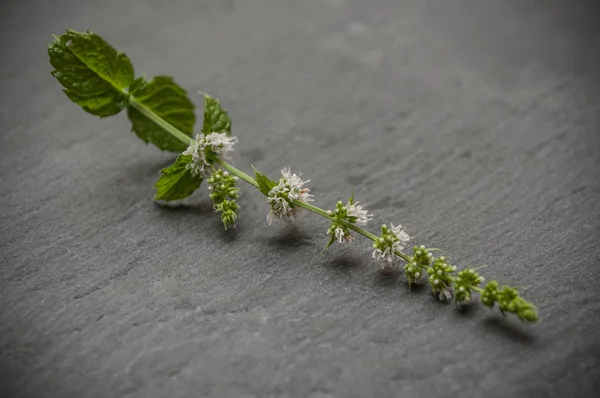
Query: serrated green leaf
{"x": 166, "y": 99}
{"x": 94, "y": 74}
{"x": 216, "y": 119}
{"x": 102, "y": 105}
{"x": 265, "y": 184}
{"x": 175, "y": 181}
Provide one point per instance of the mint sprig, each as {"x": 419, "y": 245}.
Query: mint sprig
{"x": 101, "y": 80}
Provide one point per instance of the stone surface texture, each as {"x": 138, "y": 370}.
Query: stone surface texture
{"x": 473, "y": 123}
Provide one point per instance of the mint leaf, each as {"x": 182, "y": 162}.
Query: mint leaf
{"x": 94, "y": 75}
{"x": 137, "y": 84}
{"x": 175, "y": 181}
{"x": 167, "y": 100}
{"x": 264, "y": 183}
{"x": 216, "y": 119}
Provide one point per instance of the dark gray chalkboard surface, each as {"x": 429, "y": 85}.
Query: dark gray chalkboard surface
{"x": 473, "y": 123}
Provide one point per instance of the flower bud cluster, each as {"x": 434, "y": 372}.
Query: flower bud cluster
{"x": 419, "y": 262}
{"x": 440, "y": 278}
{"x": 464, "y": 283}
{"x": 508, "y": 301}
{"x": 351, "y": 213}
{"x": 224, "y": 193}
{"x": 391, "y": 240}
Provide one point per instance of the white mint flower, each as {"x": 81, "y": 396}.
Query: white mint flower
{"x": 391, "y": 240}
{"x": 219, "y": 143}
{"x": 362, "y": 216}
{"x": 444, "y": 294}
{"x": 281, "y": 196}
{"x": 342, "y": 236}
{"x": 385, "y": 254}
{"x": 280, "y": 208}
{"x": 403, "y": 237}
{"x": 296, "y": 186}
{"x": 196, "y": 150}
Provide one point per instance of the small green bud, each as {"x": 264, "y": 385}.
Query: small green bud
{"x": 412, "y": 272}
{"x": 489, "y": 294}
{"x": 417, "y": 265}
{"x": 527, "y": 313}
{"x": 510, "y": 301}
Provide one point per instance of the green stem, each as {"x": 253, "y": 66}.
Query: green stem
{"x": 237, "y": 172}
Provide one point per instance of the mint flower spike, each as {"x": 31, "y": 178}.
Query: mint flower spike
{"x": 440, "y": 278}
{"x": 282, "y": 196}
{"x": 389, "y": 242}
{"x": 352, "y": 213}
{"x": 205, "y": 148}
{"x": 509, "y": 301}
{"x": 223, "y": 193}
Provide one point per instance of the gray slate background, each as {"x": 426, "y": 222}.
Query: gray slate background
{"x": 473, "y": 123}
